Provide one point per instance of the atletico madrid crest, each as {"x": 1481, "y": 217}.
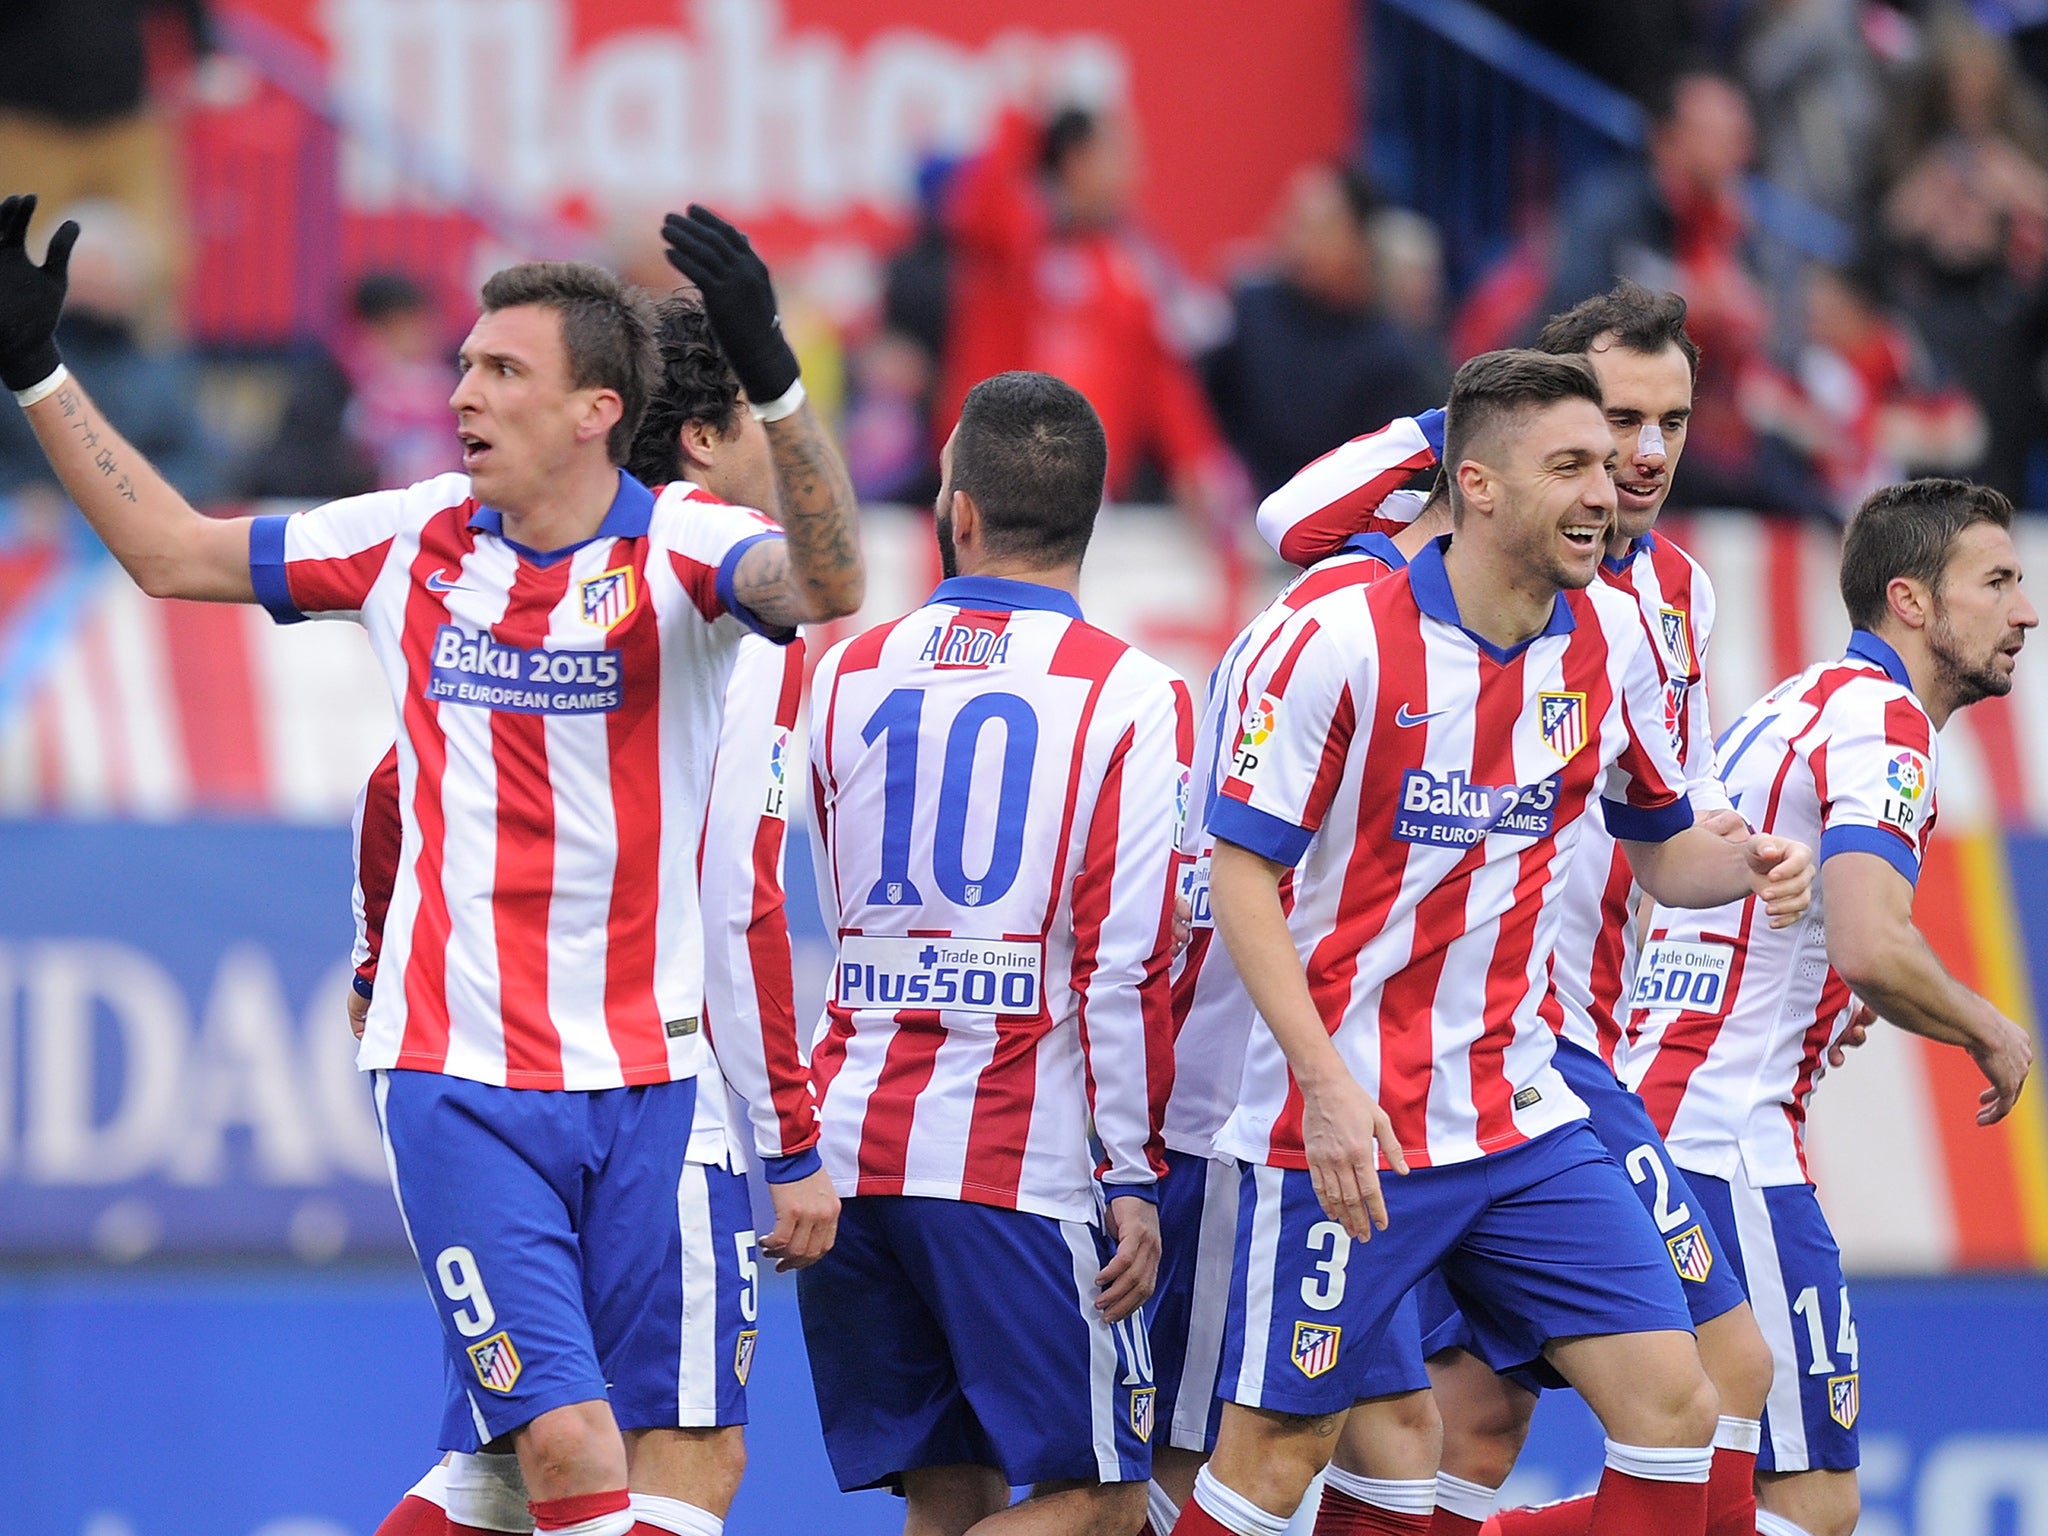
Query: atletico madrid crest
{"x": 1690, "y": 1255}
{"x": 1844, "y": 1400}
{"x": 496, "y": 1362}
{"x": 1562, "y": 717}
{"x": 1677, "y": 640}
{"x": 607, "y": 599}
{"x": 743, "y": 1354}
{"x": 1315, "y": 1347}
{"x": 1141, "y": 1411}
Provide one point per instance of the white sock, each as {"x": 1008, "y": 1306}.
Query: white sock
{"x": 1400, "y": 1495}
{"x": 1160, "y": 1509}
{"x": 676, "y": 1516}
{"x": 1233, "y": 1511}
{"x": 486, "y": 1491}
{"x": 1662, "y": 1463}
{"x": 433, "y": 1487}
{"x": 1467, "y": 1500}
{"x": 1768, "y": 1524}
{"x": 1731, "y": 1434}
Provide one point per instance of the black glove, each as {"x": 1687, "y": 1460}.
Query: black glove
{"x": 31, "y": 297}
{"x": 739, "y": 301}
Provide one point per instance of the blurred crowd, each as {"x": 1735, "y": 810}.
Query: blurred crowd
{"x": 1891, "y": 318}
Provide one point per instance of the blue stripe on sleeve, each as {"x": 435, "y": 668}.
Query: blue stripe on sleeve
{"x": 1140, "y": 1191}
{"x": 1647, "y": 824}
{"x": 266, "y": 567}
{"x": 1232, "y": 821}
{"x": 728, "y": 571}
{"x": 1886, "y": 845}
{"x": 787, "y": 1170}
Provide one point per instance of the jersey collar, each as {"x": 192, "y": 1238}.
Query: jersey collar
{"x": 1001, "y": 594}
{"x": 1616, "y": 564}
{"x": 1432, "y": 587}
{"x": 628, "y": 517}
{"x": 1865, "y": 646}
{"x": 1378, "y": 545}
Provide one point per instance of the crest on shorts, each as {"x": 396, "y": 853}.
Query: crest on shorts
{"x": 496, "y": 1362}
{"x": 606, "y": 599}
{"x": 1677, "y": 639}
{"x": 1690, "y": 1255}
{"x": 1562, "y": 717}
{"x": 743, "y": 1354}
{"x": 1315, "y": 1347}
{"x": 1141, "y": 1411}
{"x": 1844, "y": 1400}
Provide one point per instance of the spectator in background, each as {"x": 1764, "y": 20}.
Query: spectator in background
{"x": 147, "y": 391}
{"x": 1862, "y": 403}
{"x": 1818, "y": 98}
{"x": 400, "y": 376}
{"x": 1967, "y": 219}
{"x": 1678, "y": 220}
{"x": 1408, "y": 255}
{"x": 1050, "y": 274}
{"x": 77, "y": 122}
{"x": 1313, "y": 358}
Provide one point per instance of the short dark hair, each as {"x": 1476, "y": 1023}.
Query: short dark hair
{"x": 1639, "y": 320}
{"x": 1494, "y": 385}
{"x": 1909, "y": 530}
{"x": 379, "y": 295}
{"x": 1031, "y": 452}
{"x": 696, "y": 384}
{"x": 607, "y": 331}
{"x": 1066, "y": 131}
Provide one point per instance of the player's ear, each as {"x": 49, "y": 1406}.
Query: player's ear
{"x": 1911, "y": 602}
{"x": 966, "y": 519}
{"x": 697, "y": 441}
{"x": 1475, "y": 486}
{"x": 602, "y": 410}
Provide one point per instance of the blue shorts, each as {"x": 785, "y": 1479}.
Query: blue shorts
{"x": 1539, "y": 1242}
{"x": 571, "y": 1252}
{"x": 1188, "y": 1312}
{"x": 1780, "y": 1242}
{"x": 944, "y": 1333}
{"x": 1712, "y": 1287}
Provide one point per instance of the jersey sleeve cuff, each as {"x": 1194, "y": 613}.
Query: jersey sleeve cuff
{"x": 787, "y": 1170}
{"x": 1149, "y": 1193}
{"x": 1270, "y": 836}
{"x": 1886, "y": 845}
{"x": 366, "y": 986}
{"x": 728, "y": 572}
{"x": 1647, "y": 824}
{"x": 266, "y": 567}
{"x": 1432, "y": 425}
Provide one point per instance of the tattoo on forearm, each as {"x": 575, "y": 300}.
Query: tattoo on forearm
{"x": 103, "y": 457}
{"x": 819, "y": 519}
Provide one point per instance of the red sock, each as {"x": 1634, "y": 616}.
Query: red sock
{"x": 1567, "y": 1517}
{"x": 1731, "y": 1493}
{"x": 1444, "y": 1523}
{"x": 1628, "y": 1506}
{"x": 1342, "y": 1515}
{"x": 1197, "y": 1521}
{"x": 414, "y": 1516}
{"x": 558, "y": 1514}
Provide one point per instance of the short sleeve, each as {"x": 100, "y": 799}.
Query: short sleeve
{"x": 1292, "y": 740}
{"x": 325, "y": 561}
{"x": 1873, "y": 769}
{"x": 706, "y": 545}
{"x": 1643, "y": 794}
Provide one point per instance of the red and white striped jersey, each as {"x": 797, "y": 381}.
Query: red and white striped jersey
{"x": 558, "y": 716}
{"x": 1730, "y": 1019}
{"x": 1213, "y": 1015}
{"x": 749, "y": 1001}
{"x": 997, "y": 786}
{"x": 1596, "y": 934}
{"x": 1431, "y": 789}
{"x": 1352, "y": 489}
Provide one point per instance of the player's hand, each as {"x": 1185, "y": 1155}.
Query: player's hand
{"x": 1853, "y": 1034}
{"x": 739, "y": 300}
{"x": 2004, "y": 1058}
{"x": 1727, "y": 825}
{"x": 1343, "y": 1131}
{"x": 358, "y": 1012}
{"x": 806, "y": 1221}
{"x": 31, "y": 297}
{"x": 1128, "y": 1278}
{"x": 1183, "y": 924}
{"x": 1781, "y": 876}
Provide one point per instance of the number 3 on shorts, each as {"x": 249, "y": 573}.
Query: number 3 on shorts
{"x": 463, "y": 1284}
{"x": 1325, "y": 1293}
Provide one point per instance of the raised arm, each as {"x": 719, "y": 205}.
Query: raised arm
{"x": 815, "y": 573}
{"x": 160, "y": 540}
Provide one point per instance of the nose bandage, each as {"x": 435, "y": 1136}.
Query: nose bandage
{"x": 1650, "y": 441}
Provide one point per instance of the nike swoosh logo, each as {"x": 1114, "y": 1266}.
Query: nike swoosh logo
{"x": 1403, "y": 718}
{"x": 439, "y": 582}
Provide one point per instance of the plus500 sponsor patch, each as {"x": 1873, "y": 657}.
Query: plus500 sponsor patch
{"x": 987, "y": 976}
{"x": 475, "y": 669}
{"x": 1674, "y": 975}
{"x": 1447, "y": 811}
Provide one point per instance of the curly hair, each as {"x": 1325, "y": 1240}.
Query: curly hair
{"x": 696, "y": 383}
